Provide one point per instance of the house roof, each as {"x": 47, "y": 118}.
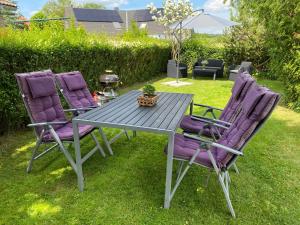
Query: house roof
{"x": 105, "y": 15}
{"x": 7, "y": 3}
{"x": 97, "y": 15}
{"x": 143, "y": 15}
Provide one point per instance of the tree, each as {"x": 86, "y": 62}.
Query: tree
{"x": 173, "y": 11}
{"x": 57, "y": 7}
{"x": 134, "y": 31}
{"x": 39, "y": 25}
{"x": 280, "y": 21}
{"x": 92, "y": 5}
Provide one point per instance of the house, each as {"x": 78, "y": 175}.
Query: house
{"x": 114, "y": 21}
{"x": 5, "y": 5}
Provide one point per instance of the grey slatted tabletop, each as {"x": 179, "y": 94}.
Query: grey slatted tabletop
{"x": 125, "y": 113}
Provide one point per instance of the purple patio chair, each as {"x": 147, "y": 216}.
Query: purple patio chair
{"x": 213, "y": 127}
{"x": 74, "y": 89}
{"x": 219, "y": 156}
{"x": 48, "y": 118}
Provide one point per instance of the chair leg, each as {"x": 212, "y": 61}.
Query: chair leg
{"x": 221, "y": 175}
{"x": 63, "y": 149}
{"x": 126, "y": 134}
{"x": 179, "y": 170}
{"x": 226, "y": 193}
{"x": 207, "y": 178}
{"x": 105, "y": 141}
{"x": 134, "y": 133}
{"x": 29, "y": 167}
{"x": 236, "y": 168}
{"x": 98, "y": 145}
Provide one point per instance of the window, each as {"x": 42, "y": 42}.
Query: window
{"x": 143, "y": 25}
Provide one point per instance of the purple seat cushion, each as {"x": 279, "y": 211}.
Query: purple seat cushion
{"x": 231, "y": 111}
{"x": 65, "y": 132}
{"x": 241, "y": 86}
{"x": 193, "y": 126}
{"x": 257, "y": 105}
{"x": 185, "y": 148}
{"x": 79, "y": 98}
{"x": 41, "y": 86}
{"x": 41, "y": 109}
{"x": 74, "y": 82}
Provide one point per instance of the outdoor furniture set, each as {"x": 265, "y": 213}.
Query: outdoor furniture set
{"x": 213, "y": 67}
{"x": 211, "y": 142}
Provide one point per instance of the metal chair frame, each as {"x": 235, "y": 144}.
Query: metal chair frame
{"x": 82, "y": 110}
{"x": 57, "y": 142}
{"x": 222, "y": 173}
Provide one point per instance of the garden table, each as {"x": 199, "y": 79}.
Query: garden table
{"x": 125, "y": 113}
{"x": 208, "y": 68}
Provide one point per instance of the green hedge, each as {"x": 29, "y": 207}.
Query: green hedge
{"x": 24, "y": 51}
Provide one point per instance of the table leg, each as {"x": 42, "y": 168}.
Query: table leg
{"x": 214, "y": 75}
{"x": 191, "y": 107}
{"x": 134, "y": 133}
{"x": 78, "y": 156}
{"x": 169, "y": 170}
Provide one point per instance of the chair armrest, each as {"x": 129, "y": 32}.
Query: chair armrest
{"x": 197, "y": 138}
{"x": 212, "y": 120}
{"x": 214, "y": 144}
{"x": 207, "y": 106}
{"x": 47, "y": 123}
{"x": 80, "y": 109}
{"x": 228, "y": 149}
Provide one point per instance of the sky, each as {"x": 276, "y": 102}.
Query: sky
{"x": 215, "y": 7}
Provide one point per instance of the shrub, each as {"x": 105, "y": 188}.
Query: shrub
{"x": 247, "y": 43}
{"x": 271, "y": 35}
{"x": 25, "y": 51}
{"x": 201, "y": 46}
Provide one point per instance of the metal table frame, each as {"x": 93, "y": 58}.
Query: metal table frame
{"x": 174, "y": 111}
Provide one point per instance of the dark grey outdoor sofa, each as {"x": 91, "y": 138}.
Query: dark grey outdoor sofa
{"x": 215, "y": 68}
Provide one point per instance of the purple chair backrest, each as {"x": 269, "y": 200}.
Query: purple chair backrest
{"x": 40, "y": 97}
{"x": 74, "y": 89}
{"x": 257, "y": 106}
{"x": 242, "y": 84}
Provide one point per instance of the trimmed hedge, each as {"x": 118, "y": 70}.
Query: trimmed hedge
{"x": 25, "y": 51}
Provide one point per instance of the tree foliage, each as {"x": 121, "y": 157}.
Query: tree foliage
{"x": 173, "y": 11}
{"x": 57, "y": 7}
{"x": 279, "y": 39}
{"x": 135, "y": 32}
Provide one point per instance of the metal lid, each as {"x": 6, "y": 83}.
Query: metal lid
{"x": 109, "y": 78}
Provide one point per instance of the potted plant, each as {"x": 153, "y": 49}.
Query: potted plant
{"x": 204, "y": 63}
{"x": 149, "y": 98}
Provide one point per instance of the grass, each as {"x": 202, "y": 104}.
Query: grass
{"x": 128, "y": 188}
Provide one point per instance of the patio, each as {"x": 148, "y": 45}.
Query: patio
{"x": 128, "y": 188}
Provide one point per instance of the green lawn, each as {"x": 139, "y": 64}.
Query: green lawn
{"x": 128, "y": 188}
